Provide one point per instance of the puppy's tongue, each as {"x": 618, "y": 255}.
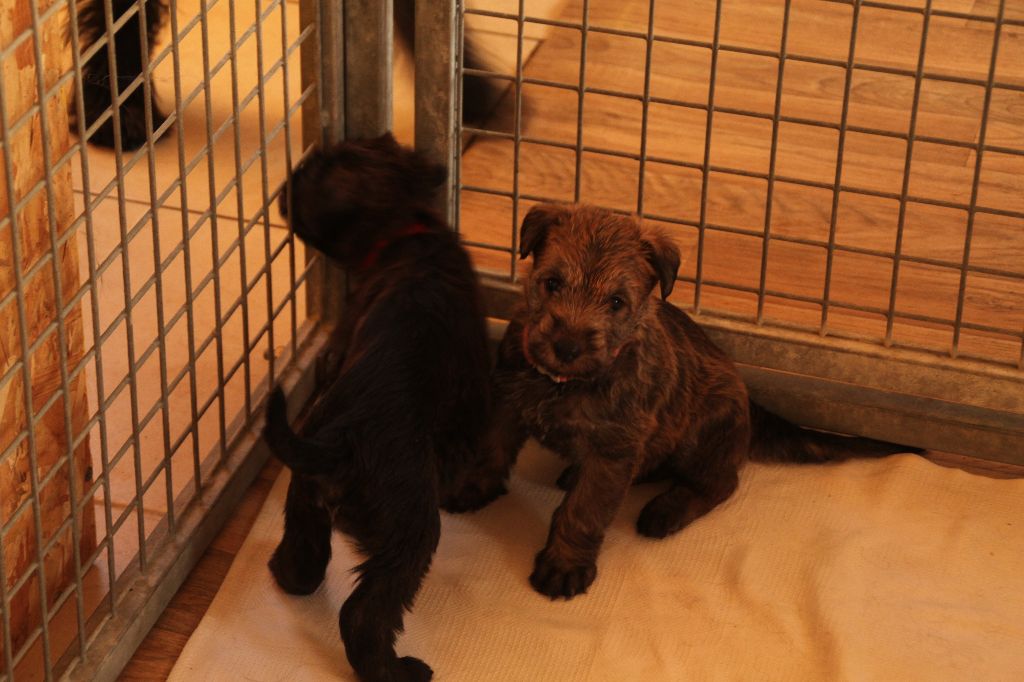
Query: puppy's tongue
{"x": 557, "y": 378}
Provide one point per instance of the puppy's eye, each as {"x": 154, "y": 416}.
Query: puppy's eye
{"x": 616, "y": 303}
{"x": 553, "y": 285}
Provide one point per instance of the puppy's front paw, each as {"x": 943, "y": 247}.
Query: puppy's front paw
{"x": 415, "y": 670}
{"x": 473, "y": 495}
{"x": 556, "y": 578}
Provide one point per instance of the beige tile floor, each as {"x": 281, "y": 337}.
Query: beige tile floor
{"x": 188, "y": 286}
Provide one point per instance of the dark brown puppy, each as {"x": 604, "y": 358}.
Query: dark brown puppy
{"x": 400, "y": 426}
{"x": 133, "y": 47}
{"x": 627, "y": 387}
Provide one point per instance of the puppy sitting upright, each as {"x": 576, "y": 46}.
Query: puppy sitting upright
{"x": 627, "y": 387}
{"x": 400, "y": 424}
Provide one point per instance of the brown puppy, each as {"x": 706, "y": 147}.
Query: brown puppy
{"x": 627, "y": 387}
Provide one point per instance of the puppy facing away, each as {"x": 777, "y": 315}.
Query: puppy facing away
{"x": 399, "y": 428}
{"x": 627, "y": 388}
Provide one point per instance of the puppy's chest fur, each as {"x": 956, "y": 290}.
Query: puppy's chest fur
{"x": 559, "y": 415}
{"x": 647, "y": 407}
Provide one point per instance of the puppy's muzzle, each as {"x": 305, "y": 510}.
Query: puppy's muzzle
{"x": 566, "y": 349}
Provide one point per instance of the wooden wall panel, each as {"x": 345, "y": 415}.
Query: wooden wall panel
{"x": 31, "y": 229}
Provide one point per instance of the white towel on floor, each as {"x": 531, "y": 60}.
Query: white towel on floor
{"x": 895, "y": 569}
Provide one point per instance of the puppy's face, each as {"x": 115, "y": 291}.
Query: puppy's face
{"x": 345, "y": 198}
{"x": 590, "y": 287}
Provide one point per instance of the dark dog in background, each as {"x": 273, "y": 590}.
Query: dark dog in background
{"x": 131, "y": 45}
{"x": 628, "y": 388}
{"x": 397, "y": 434}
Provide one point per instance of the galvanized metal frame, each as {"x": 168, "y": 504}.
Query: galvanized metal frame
{"x": 103, "y": 640}
{"x": 368, "y": 59}
{"x": 435, "y": 116}
{"x": 353, "y": 64}
{"x": 856, "y": 384}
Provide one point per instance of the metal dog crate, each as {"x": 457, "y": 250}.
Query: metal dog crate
{"x": 152, "y": 297}
{"x": 843, "y": 178}
{"x": 149, "y": 300}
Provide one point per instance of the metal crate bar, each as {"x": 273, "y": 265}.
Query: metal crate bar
{"x": 767, "y": 237}
{"x": 645, "y": 104}
{"x": 517, "y": 137}
{"x": 901, "y": 220}
{"x": 972, "y": 208}
{"x": 833, "y": 220}
{"x": 706, "y": 167}
{"x": 204, "y": 23}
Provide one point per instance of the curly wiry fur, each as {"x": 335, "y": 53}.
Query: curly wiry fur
{"x": 398, "y": 432}
{"x": 132, "y": 46}
{"x": 627, "y": 387}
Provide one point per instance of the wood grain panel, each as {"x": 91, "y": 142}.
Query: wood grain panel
{"x": 32, "y": 230}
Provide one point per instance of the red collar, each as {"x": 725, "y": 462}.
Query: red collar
{"x": 374, "y": 253}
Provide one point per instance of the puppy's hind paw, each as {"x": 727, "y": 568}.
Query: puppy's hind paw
{"x": 555, "y": 579}
{"x": 294, "y": 576}
{"x": 567, "y": 479}
{"x": 415, "y": 670}
{"x": 663, "y": 516}
{"x": 472, "y": 496}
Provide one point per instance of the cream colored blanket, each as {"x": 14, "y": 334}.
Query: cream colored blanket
{"x": 869, "y": 570}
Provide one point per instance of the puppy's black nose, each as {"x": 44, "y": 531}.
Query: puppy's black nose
{"x": 566, "y": 350}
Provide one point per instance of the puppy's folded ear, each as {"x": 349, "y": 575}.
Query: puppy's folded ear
{"x": 663, "y": 255}
{"x": 540, "y": 219}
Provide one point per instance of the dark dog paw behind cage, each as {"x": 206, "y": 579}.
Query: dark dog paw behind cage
{"x": 480, "y": 95}
{"x": 98, "y": 78}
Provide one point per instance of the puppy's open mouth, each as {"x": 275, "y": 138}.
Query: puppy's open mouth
{"x": 557, "y": 378}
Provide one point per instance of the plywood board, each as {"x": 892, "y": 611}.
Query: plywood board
{"x": 55, "y": 472}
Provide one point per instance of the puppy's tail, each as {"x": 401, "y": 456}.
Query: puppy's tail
{"x": 479, "y": 95}
{"x": 301, "y": 455}
{"x": 774, "y": 439}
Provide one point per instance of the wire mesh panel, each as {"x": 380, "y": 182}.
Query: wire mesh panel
{"x": 837, "y": 174}
{"x": 149, "y": 295}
